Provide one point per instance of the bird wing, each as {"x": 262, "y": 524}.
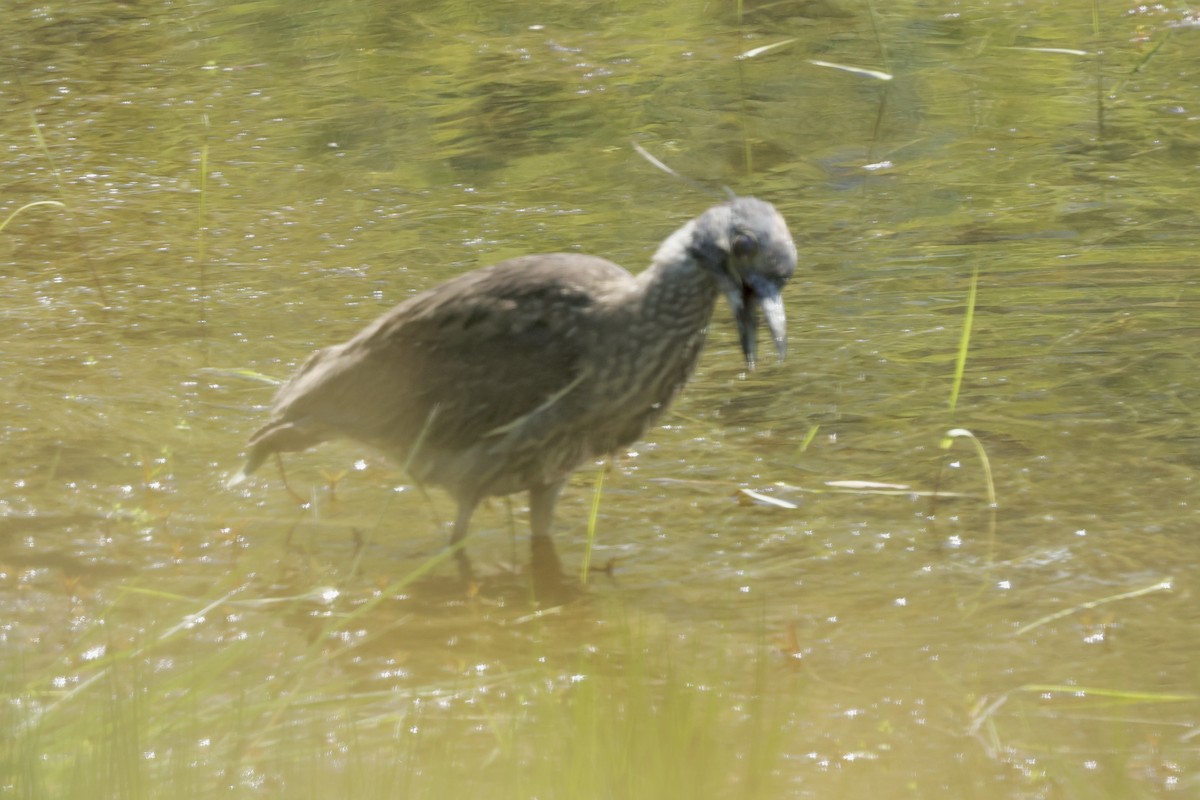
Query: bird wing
{"x": 481, "y": 355}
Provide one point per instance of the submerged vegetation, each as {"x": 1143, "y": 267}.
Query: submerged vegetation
{"x": 637, "y": 714}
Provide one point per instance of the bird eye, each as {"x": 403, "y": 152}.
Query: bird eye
{"x": 744, "y": 245}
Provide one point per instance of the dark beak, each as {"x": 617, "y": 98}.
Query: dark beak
{"x": 755, "y": 293}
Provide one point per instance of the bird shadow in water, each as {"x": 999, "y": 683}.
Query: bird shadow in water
{"x": 543, "y": 580}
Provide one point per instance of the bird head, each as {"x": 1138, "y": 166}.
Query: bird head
{"x": 747, "y": 248}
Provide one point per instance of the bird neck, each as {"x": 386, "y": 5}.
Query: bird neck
{"x": 676, "y": 285}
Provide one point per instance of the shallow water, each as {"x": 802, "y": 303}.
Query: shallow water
{"x": 245, "y": 183}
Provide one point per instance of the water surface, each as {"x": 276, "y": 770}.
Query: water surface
{"x": 244, "y": 183}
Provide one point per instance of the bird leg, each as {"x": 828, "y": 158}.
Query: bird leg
{"x": 299, "y": 498}
{"x": 546, "y": 568}
{"x": 542, "y": 500}
{"x": 462, "y": 521}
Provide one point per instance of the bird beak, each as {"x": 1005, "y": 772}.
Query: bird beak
{"x": 757, "y": 292}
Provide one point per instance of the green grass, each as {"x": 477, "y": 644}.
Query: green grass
{"x": 960, "y": 369}
{"x": 202, "y": 229}
{"x": 28, "y": 206}
{"x": 585, "y": 567}
{"x": 964, "y": 343}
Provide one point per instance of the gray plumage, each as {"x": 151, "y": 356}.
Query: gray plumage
{"x": 507, "y": 378}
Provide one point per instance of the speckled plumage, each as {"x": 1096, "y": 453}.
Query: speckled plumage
{"x": 509, "y": 377}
